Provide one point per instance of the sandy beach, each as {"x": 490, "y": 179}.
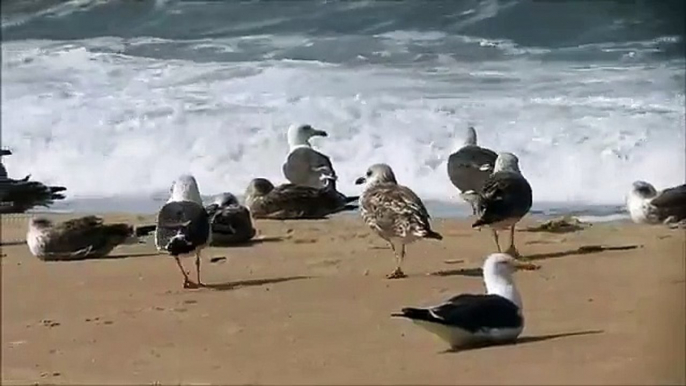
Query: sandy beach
{"x": 308, "y": 303}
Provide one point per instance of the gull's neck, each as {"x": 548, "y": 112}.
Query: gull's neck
{"x": 502, "y": 286}
{"x": 185, "y": 194}
{"x": 470, "y": 139}
{"x": 296, "y": 141}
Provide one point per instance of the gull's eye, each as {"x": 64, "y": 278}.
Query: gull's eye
{"x": 369, "y": 173}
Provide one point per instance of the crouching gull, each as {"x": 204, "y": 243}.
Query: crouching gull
{"x": 505, "y": 198}
{"x": 394, "y": 212}
{"x": 304, "y": 165}
{"x": 475, "y": 319}
{"x": 81, "y": 238}
{"x": 291, "y": 201}
{"x": 469, "y": 167}
{"x": 183, "y": 226}
{"x": 231, "y": 222}
{"x": 648, "y": 206}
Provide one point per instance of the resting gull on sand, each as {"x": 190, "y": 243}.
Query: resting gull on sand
{"x": 469, "y": 167}
{"x": 648, "y": 206}
{"x": 475, "y": 319}
{"x": 290, "y": 201}
{"x": 304, "y": 165}
{"x": 183, "y": 226}
{"x": 231, "y": 221}
{"x": 81, "y": 238}
{"x": 505, "y": 198}
{"x": 394, "y": 212}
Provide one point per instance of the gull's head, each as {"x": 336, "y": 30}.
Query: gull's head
{"x": 376, "y": 174}
{"x": 503, "y": 266}
{"x": 185, "y": 188}
{"x": 225, "y": 199}
{"x": 258, "y": 187}
{"x": 470, "y": 137}
{"x": 643, "y": 190}
{"x": 506, "y": 162}
{"x": 38, "y": 224}
{"x": 299, "y": 135}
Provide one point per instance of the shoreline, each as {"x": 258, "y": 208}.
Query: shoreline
{"x": 439, "y": 209}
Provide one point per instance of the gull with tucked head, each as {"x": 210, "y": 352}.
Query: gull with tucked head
{"x": 291, "y": 201}
{"x": 183, "y": 226}
{"x": 304, "y": 165}
{"x": 231, "y": 221}
{"x": 394, "y": 212}
{"x": 469, "y": 168}
{"x": 473, "y": 319}
{"x": 81, "y": 238}
{"x": 506, "y": 197}
{"x": 648, "y": 206}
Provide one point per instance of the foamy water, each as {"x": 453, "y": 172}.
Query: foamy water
{"x": 123, "y": 116}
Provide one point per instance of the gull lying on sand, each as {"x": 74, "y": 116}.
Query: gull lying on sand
{"x": 304, "y": 165}
{"x": 231, "y": 221}
{"x": 290, "y": 201}
{"x": 394, "y": 212}
{"x": 648, "y": 206}
{"x": 474, "y": 319}
{"x": 469, "y": 167}
{"x": 183, "y": 226}
{"x": 82, "y": 238}
{"x": 505, "y": 198}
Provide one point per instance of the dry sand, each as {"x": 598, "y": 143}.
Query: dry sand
{"x": 310, "y": 305}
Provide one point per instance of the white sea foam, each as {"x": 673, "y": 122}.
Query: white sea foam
{"x": 90, "y": 116}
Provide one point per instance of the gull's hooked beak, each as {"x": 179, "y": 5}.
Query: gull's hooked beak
{"x": 319, "y": 133}
{"x": 520, "y": 266}
{"x": 360, "y": 181}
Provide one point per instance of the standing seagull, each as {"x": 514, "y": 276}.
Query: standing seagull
{"x": 647, "y": 206}
{"x": 183, "y": 226}
{"x": 394, "y": 212}
{"x": 471, "y": 319}
{"x": 290, "y": 201}
{"x": 469, "y": 167}
{"x": 231, "y": 221}
{"x": 81, "y": 238}
{"x": 506, "y": 197}
{"x": 304, "y": 165}
{"x": 3, "y": 171}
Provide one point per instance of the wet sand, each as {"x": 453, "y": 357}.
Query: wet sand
{"x": 308, "y": 303}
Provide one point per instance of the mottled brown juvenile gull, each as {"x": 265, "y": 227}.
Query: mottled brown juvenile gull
{"x": 473, "y": 319}
{"x": 81, "y": 238}
{"x": 506, "y": 198}
{"x": 183, "y": 226}
{"x": 469, "y": 167}
{"x": 648, "y": 206}
{"x": 231, "y": 221}
{"x": 304, "y": 165}
{"x": 290, "y": 201}
{"x": 394, "y": 212}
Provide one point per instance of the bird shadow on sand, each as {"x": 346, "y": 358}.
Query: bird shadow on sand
{"x": 471, "y": 272}
{"x": 248, "y": 243}
{"x": 523, "y": 340}
{"x": 253, "y": 282}
{"x": 11, "y": 243}
{"x": 583, "y": 250}
{"x": 107, "y": 257}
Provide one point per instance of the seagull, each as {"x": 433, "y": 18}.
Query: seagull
{"x": 648, "y": 206}
{"x": 3, "y": 171}
{"x": 183, "y": 226}
{"x": 290, "y": 201}
{"x": 394, "y": 212}
{"x": 505, "y": 198}
{"x": 231, "y": 222}
{"x": 304, "y": 165}
{"x": 474, "y": 319}
{"x": 18, "y": 196}
{"x": 469, "y": 167}
{"x": 81, "y": 238}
